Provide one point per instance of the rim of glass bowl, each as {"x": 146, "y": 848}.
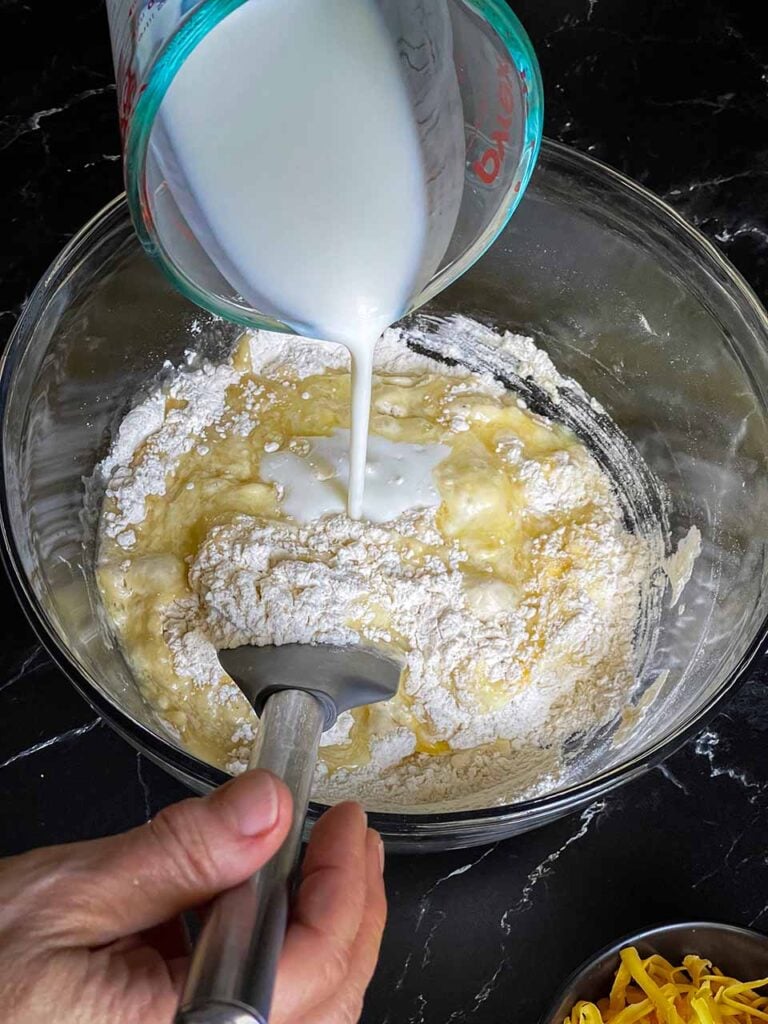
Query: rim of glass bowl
{"x": 402, "y": 825}
{"x": 205, "y": 17}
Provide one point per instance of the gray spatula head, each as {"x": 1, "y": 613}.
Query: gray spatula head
{"x": 340, "y": 677}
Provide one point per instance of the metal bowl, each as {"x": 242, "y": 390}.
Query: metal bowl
{"x": 739, "y": 952}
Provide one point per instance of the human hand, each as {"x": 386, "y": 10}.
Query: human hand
{"x": 90, "y": 932}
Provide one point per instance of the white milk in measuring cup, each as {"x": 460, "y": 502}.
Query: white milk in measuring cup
{"x": 303, "y": 169}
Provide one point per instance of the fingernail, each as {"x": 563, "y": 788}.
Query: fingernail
{"x": 252, "y": 801}
{"x": 376, "y": 838}
{"x": 357, "y": 808}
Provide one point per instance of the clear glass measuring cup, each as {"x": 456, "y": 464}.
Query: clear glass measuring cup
{"x": 475, "y": 90}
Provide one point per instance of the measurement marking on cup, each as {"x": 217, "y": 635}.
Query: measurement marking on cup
{"x": 488, "y": 166}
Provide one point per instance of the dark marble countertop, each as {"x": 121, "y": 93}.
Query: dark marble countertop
{"x": 673, "y": 94}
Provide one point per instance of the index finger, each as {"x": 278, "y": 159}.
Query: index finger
{"x": 327, "y": 913}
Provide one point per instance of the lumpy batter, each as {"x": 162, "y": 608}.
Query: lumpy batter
{"x": 493, "y": 554}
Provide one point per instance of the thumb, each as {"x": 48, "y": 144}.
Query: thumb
{"x": 103, "y": 890}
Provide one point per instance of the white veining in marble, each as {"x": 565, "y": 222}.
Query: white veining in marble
{"x": 34, "y": 658}
{"x": 706, "y": 745}
{"x": 32, "y": 123}
{"x": 543, "y": 869}
{"x": 670, "y": 776}
{"x": 71, "y": 734}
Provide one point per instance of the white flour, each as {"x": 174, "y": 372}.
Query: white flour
{"x": 202, "y": 396}
{"x": 276, "y": 583}
{"x": 555, "y": 654}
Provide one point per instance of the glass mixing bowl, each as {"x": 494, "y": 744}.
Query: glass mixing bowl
{"x": 626, "y": 298}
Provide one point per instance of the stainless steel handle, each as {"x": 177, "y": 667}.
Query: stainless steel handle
{"x": 234, "y": 964}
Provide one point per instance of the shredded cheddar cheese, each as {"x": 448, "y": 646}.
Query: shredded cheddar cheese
{"x": 653, "y": 991}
